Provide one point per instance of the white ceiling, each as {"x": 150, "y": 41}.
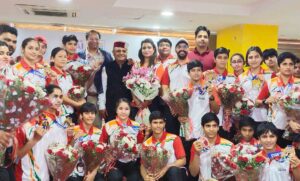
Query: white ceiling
{"x": 145, "y": 14}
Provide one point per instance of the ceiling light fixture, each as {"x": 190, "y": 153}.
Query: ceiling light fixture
{"x": 64, "y": 1}
{"x": 156, "y": 27}
{"x": 167, "y": 13}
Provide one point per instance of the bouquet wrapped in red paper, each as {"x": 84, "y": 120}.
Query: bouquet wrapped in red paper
{"x": 61, "y": 160}
{"x": 154, "y": 159}
{"x": 222, "y": 166}
{"x": 144, "y": 85}
{"x": 124, "y": 146}
{"x": 249, "y": 162}
{"x": 79, "y": 72}
{"x": 93, "y": 154}
{"x": 178, "y": 103}
{"x": 20, "y": 102}
{"x": 76, "y": 93}
{"x": 229, "y": 95}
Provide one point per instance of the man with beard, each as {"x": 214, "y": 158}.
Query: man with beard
{"x": 9, "y": 35}
{"x": 201, "y": 52}
{"x": 175, "y": 77}
{"x": 113, "y": 85}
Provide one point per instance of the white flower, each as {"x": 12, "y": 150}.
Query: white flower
{"x": 238, "y": 105}
{"x": 14, "y": 93}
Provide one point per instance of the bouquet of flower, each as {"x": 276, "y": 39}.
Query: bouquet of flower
{"x": 20, "y": 102}
{"x": 79, "y": 72}
{"x": 124, "y": 146}
{"x": 229, "y": 95}
{"x": 76, "y": 93}
{"x": 248, "y": 160}
{"x": 154, "y": 158}
{"x": 178, "y": 103}
{"x": 61, "y": 160}
{"x": 93, "y": 154}
{"x": 222, "y": 166}
{"x": 242, "y": 107}
{"x": 291, "y": 105}
{"x": 144, "y": 85}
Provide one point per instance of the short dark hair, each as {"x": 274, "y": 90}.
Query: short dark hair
{"x": 26, "y": 41}
{"x": 266, "y": 127}
{"x": 271, "y": 52}
{"x": 88, "y": 107}
{"x": 202, "y": 28}
{"x": 2, "y": 43}
{"x": 156, "y": 115}
{"x": 297, "y": 60}
{"x": 286, "y": 55}
{"x": 4, "y": 28}
{"x": 164, "y": 40}
{"x": 87, "y": 34}
{"x": 50, "y": 88}
{"x": 194, "y": 63}
{"x": 246, "y": 121}
{"x": 56, "y": 50}
{"x": 253, "y": 48}
{"x": 68, "y": 38}
{"x": 221, "y": 50}
{"x": 209, "y": 117}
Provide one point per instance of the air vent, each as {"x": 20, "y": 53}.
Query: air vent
{"x": 45, "y": 11}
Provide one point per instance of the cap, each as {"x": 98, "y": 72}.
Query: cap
{"x": 41, "y": 39}
{"x": 120, "y": 44}
{"x": 182, "y": 40}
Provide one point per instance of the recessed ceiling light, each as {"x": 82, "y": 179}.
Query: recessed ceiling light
{"x": 167, "y": 13}
{"x": 156, "y": 27}
{"x": 64, "y": 1}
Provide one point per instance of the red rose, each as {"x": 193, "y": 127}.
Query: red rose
{"x": 99, "y": 150}
{"x": 10, "y": 104}
{"x": 126, "y": 146}
{"x": 84, "y": 146}
{"x": 30, "y": 90}
{"x": 134, "y": 149}
{"x": 91, "y": 144}
{"x": 242, "y": 159}
{"x": 232, "y": 90}
{"x": 60, "y": 154}
{"x": 260, "y": 159}
{"x": 49, "y": 151}
{"x": 244, "y": 112}
{"x": 234, "y": 166}
{"x": 249, "y": 167}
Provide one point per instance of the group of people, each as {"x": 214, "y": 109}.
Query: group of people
{"x": 109, "y": 105}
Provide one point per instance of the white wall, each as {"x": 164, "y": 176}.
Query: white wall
{"x": 54, "y": 39}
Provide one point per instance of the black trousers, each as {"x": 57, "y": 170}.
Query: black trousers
{"x": 98, "y": 177}
{"x": 130, "y": 170}
{"x": 175, "y": 174}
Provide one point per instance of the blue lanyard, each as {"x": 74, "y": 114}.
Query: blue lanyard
{"x": 201, "y": 90}
{"x": 35, "y": 72}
